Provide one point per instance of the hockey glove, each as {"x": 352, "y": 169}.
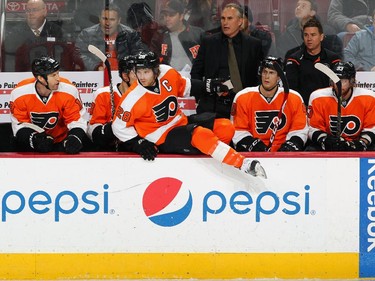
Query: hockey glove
{"x": 72, "y": 144}
{"x": 103, "y": 135}
{"x": 356, "y": 145}
{"x": 41, "y": 142}
{"x": 146, "y": 149}
{"x": 214, "y": 86}
{"x": 331, "y": 143}
{"x": 288, "y": 146}
{"x": 251, "y": 144}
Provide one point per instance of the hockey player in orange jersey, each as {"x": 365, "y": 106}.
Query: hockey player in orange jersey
{"x": 255, "y": 108}
{"x": 100, "y": 125}
{"x": 357, "y": 115}
{"x": 46, "y": 111}
{"x": 149, "y": 120}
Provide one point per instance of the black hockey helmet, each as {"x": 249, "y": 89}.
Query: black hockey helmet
{"x": 146, "y": 60}
{"x": 44, "y": 65}
{"x": 126, "y": 64}
{"x": 344, "y": 70}
{"x": 269, "y": 62}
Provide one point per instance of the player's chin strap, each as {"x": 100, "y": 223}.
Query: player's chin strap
{"x": 47, "y": 85}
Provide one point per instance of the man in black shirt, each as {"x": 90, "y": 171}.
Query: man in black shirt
{"x": 212, "y": 60}
{"x": 300, "y": 71}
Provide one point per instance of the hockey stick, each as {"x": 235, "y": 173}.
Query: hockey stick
{"x": 276, "y": 121}
{"x": 94, "y": 50}
{"x": 327, "y": 71}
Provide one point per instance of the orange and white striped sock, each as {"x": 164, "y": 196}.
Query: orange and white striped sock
{"x": 208, "y": 143}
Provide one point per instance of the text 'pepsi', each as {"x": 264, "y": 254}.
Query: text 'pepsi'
{"x": 41, "y": 202}
{"x": 265, "y": 203}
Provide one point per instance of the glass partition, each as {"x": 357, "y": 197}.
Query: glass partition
{"x": 67, "y": 19}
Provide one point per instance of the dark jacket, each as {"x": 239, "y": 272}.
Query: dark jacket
{"x": 21, "y": 36}
{"x": 292, "y": 38}
{"x": 128, "y": 42}
{"x": 190, "y": 40}
{"x": 212, "y": 62}
{"x": 342, "y": 12}
{"x": 260, "y": 32}
{"x": 301, "y": 74}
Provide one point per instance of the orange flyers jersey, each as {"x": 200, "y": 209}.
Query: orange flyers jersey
{"x": 149, "y": 114}
{"x": 101, "y": 107}
{"x": 357, "y": 115}
{"x": 253, "y": 115}
{"x": 61, "y": 112}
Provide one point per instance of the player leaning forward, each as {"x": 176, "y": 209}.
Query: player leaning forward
{"x": 149, "y": 119}
{"x": 46, "y": 112}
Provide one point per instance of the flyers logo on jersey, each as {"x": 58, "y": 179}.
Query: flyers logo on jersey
{"x": 351, "y": 125}
{"x": 265, "y": 120}
{"x": 167, "y": 108}
{"x": 45, "y": 120}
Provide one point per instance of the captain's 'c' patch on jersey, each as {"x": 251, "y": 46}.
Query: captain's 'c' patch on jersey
{"x": 266, "y": 120}
{"x": 45, "y": 120}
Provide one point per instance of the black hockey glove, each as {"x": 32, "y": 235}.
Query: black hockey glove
{"x": 251, "y": 144}
{"x": 288, "y": 146}
{"x": 331, "y": 143}
{"x": 103, "y": 135}
{"x": 214, "y": 86}
{"x": 72, "y": 144}
{"x": 146, "y": 149}
{"x": 356, "y": 145}
{"x": 41, "y": 142}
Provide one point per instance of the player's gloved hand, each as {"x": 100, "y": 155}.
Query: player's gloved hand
{"x": 251, "y": 144}
{"x": 103, "y": 135}
{"x": 41, "y": 142}
{"x": 288, "y": 146}
{"x": 215, "y": 85}
{"x": 72, "y": 144}
{"x": 331, "y": 143}
{"x": 257, "y": 145}
{"x": 107, "y": 130}
{"x": 146, "y": 149}
{"x": 356, "y": 145}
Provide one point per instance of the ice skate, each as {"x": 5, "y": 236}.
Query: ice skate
{"x": 254, "y": 168}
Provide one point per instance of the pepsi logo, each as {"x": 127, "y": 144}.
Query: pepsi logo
{"x": 166, "y": 202}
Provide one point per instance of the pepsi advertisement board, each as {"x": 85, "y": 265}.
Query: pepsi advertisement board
{"x": 118, "y": 216}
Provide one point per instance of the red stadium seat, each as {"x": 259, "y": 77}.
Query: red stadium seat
{"x": 65, "y": 52}
{"x": 323, "y": 9}
{"x": 262, "y": 11}
{"x": 285, "y": 9}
